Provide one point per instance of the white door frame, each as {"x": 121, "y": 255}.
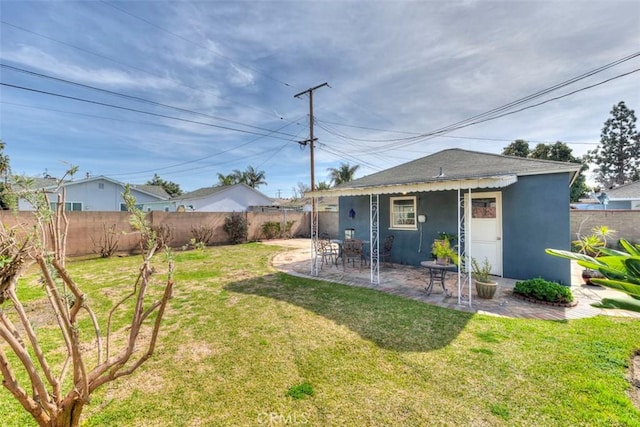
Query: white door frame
{"x": 497, "y": 269}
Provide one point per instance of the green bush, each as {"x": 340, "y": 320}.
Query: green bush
{"x": 543, "y": 290}
{"x": 271, "y": 230}
{"x": 237, "y": 227}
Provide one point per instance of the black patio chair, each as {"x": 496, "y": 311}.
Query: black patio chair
{"x": 385, "y": 251}
{"x": 352, "y": 251}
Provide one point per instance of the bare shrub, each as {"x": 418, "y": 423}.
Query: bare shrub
{"x": 162, "y": 235}
{"x": 202, "y": 233}
{"x": 107, "y": 243}
{"x": 55, "y": 394}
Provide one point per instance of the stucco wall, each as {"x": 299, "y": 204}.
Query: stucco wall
{"x": 440, "y": 208}
{"x": 535, "y": 216}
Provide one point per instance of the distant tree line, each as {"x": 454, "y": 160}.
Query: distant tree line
{"x": 558, "y": 151}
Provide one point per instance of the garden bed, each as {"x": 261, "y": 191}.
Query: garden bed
{"x": 554, "y": 304}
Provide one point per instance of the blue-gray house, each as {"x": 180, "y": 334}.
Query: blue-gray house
{"x": 503, "y": 208}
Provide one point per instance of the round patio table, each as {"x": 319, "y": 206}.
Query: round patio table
{"x": 437, "y": 273}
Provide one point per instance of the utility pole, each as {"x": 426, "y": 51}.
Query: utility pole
{"x": 311, "y": 142}
{"x": 311, "y": 139}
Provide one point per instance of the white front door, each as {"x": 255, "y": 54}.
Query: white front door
{"x": 483, "y": 229}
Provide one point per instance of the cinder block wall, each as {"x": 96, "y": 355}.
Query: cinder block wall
{"x": 87, "y": 228}
{"x": 626, "y": 223}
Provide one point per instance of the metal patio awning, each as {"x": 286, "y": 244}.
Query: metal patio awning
{"x": 436, "y": 185}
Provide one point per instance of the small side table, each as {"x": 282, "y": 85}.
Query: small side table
{"x": 437, "y": 273}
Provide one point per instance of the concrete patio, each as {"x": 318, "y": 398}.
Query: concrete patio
{"x": 410, "y": 282}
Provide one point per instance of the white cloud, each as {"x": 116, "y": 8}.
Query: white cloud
{"x": 35, "y": 58}
{"x": 240, "y": 76}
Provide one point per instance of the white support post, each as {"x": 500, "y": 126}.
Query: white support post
{"x": 374, "y": 239}
{"x": 314, "y": 238}
{"x": 469, "y": 252}
{"x": 461, "y": 242}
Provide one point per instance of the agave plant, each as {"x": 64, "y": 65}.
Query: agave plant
{"x": 621, "y": 269}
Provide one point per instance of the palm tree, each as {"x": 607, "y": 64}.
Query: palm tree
{"x": 4, "y": 160}
{"x": 238, "y": 176}
{"x": 342, "y": 174}
{"x": 226, "y": 179}
{"x": 323, "y": 185}
{"x": 5, "y": 169}
{"x": 253, "y": 178}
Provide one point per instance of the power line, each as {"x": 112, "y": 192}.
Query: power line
{"x": 139, "y": 111}
{"x": 192, "y": 42}
{"x": 503, "y": 110}
{"x": 173, "y": 80}
{"x": 451, "y": 128}
{"x": 134, "y": 98}
{"x": 156, "y": 124}
{"x": 321, "y": 124}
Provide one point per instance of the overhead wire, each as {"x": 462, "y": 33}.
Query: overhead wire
{"x": 169, "y": 167}
{"x": 192, "y": 161}
{"x": 478, "y": 138}
{"x": 194, "y": 43}
{"x": 440, "y": 132}
{"x": 506, "y": 109}
{"x": 139, "y": 111}
{"x": 172, "y": 79}
{"x": 130, "y": 97}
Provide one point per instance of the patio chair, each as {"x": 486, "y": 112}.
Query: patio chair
{"x": 352, "y": 251}
{"x": 385, "y": 252}
{"x": 326, "y": 252}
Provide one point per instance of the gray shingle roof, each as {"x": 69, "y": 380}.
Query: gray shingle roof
{"x": 629, "y": 191}
{"x": 157, "y": 190}
{"x": 204, "y": 192}
{"x": 208, "y": 191}
{"x": 457, "y": 164}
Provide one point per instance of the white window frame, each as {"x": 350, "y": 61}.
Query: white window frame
{"x": 394, "y": 216}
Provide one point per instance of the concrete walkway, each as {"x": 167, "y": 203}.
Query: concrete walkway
{"x": 409, "y": 281}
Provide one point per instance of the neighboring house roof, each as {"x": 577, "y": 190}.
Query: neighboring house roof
{"x": 205, "y": 192}
{"x": 157, "y": 190}
{"x": 629, "y": 191}
{"x": 208, "y": 191}
{"x": 151, "y": 190}
{"x": 451, "y": 169}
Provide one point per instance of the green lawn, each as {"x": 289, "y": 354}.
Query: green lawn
{"x": 245, "y": 345}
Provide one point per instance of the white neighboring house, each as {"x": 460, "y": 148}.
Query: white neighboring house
{"x": 222, "y": 198}
{"x": 623, "y": 197}
{"x": 101, "y": 194}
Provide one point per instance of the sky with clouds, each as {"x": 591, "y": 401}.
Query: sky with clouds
{"x": 190, "y": 89}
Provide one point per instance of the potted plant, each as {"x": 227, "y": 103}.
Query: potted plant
{"x": 481, "y": 273}
{"x": 444, "y": 252}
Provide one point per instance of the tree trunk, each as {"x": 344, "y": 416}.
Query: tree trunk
{"x": 69, "y": 415}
